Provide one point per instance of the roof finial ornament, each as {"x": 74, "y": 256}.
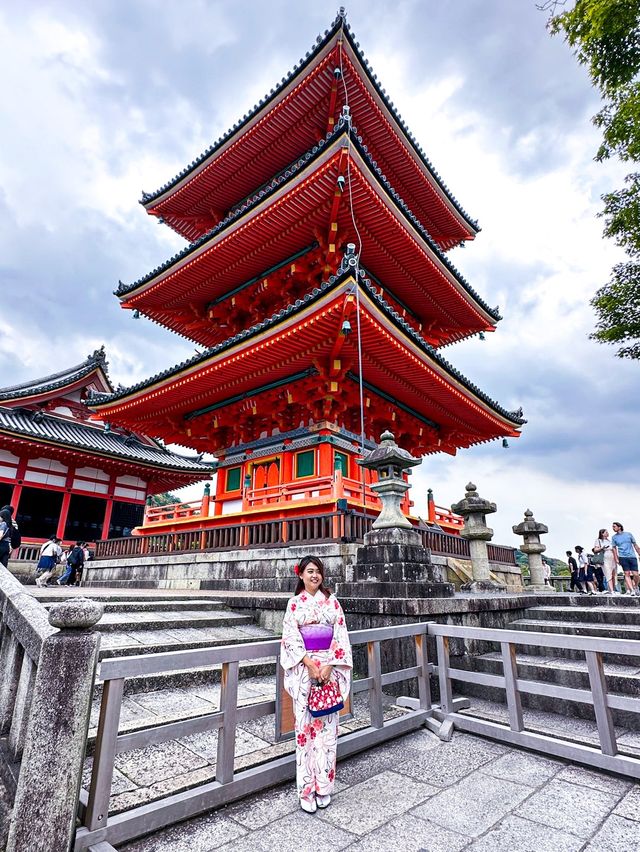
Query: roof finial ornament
{"x": 98, "y": 355}
{"x": 342, "y": 13}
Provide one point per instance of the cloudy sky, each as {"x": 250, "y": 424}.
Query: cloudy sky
{"x": 104, "y": 99}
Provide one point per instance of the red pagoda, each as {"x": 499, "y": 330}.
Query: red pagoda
{"x": 65, "y": 475}
{"x": 316, "y": 277}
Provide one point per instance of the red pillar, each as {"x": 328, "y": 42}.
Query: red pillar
{"x": 64, "y": 511}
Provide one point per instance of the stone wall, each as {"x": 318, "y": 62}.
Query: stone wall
{"x": 268, "y": 569}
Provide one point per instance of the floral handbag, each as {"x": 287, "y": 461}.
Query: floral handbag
{"x": 324, "y": 698}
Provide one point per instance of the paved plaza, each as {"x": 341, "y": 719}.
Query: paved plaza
{"x": 418, "y": 794}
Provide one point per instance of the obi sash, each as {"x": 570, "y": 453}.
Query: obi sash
{"x": 317, "y": 637}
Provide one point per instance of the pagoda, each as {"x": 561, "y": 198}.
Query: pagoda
{"x": 65, "y": 475}
{"x": 317, "y": 280}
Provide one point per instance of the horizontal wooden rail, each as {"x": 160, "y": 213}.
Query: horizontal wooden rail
{"x": 597, "y": 696}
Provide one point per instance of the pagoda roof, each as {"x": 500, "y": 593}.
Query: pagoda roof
{"x": 59, "y": 383}
{"x": 92, "y": 439}
{"x": 276, "y": 348}
{"x": 286, "y": 215}
{"x": 291, "y": 118}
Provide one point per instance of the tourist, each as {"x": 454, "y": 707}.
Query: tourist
{"x": 585, "y": 570}
{"x": 50, "y": 555}
{"x": 573, "y": 568}
{"x": 603, "y": 550}
{"x": 75, "y": 561}
{"x": 315, "y": 651}
{"x": 624, "y": 545}
{"x": 80, "y": 568}
{"x": 9, "y": 535}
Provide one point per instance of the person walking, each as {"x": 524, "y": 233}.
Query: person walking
{"x": 603, "y": 548}
{"x": 315, "y": 651}
{"x": 50, "y": 554}
{"x": 585, "y": 571}
{"x": 75, "y": 561}
{"x": 9, "y": 535}
{"x": 573, "y": 568}
{"x": 625, "y": 549}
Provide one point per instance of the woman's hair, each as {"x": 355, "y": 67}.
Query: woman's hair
{"x": 307, "y": 560}
{"x": 601, "y": 533}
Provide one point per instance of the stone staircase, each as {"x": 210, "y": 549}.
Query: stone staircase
{"x": 615, "y": 617}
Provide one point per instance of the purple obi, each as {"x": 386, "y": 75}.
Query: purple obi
{"x": 317, "y": 637}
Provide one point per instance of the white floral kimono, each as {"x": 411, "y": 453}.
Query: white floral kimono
{"x": 316, "y": 739}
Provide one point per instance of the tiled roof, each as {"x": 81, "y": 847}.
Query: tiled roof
{"x": 342, "y": 127}
{"x": 321, "y": 41}
{"x": 93, "y": 439}
{"x": 57, "y": 381}
{"x": 333, "y": 281}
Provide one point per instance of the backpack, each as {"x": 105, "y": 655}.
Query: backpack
{"x": 14, "y": 536}
{"x": 76, "y": 557}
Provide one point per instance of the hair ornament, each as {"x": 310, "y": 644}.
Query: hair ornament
{"x": 296, "y": 569}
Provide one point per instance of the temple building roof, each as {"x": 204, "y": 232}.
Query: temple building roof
{"x": 275, "y": 346}
{"x": 94, "y": 439}
{"x": 301, "y": 204}
{"x": 50, "y": 414}
{"x": 94, "y": 367}
{"x": 289, "y": 120}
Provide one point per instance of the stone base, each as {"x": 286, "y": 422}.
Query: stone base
{"x": 483, "y": 587}
{"x": 373, "y": 589}
{"x": 393, "y": 536}
{"x": 540, "y": 588}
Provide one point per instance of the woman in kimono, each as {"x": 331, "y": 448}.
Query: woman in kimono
{"x": 315, "y": 646}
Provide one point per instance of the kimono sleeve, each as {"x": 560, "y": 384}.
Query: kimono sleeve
{"x": 292, "y": 648}
{"x": 341, "y": 646}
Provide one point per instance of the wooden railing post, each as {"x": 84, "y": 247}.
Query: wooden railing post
{"x": 446, "y": 694}
{"x": 608, "y": 744}
{"x": 375, "y": 690}
{"x": 514, "y": 702}
{"x": 227, "y": 733}
{"x": 422, "y": 661}
{"x": 105, "y": 752}
{"x": 44, "y": 812}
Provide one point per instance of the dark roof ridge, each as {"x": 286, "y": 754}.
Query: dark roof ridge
{"x": 338, "y": 23}
{"x": 343, "y": 125}
{"x": 58, "y": 380}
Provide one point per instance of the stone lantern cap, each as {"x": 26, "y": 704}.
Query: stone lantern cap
{"x": 530, "y": 525}
{"x": 473, "y": 503}
{"x": 389, "y": 454}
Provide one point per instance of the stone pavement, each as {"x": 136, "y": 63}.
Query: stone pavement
{"x": 418, "y": 794}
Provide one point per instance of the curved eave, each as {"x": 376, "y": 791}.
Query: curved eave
{"x": 274, "y": 343}
{"x": 258, "y": 212}
{"x": 157, "y": 202}
{"x": 65, "y": 384}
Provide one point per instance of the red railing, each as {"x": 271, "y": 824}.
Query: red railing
{"x": 333, "y": 526}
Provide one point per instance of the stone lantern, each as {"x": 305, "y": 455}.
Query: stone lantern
{"x": 393, "y": 562}
{"x": 531, "y": 531}
{"x": 390, "y": 462}
{"x": 474, "y": 509}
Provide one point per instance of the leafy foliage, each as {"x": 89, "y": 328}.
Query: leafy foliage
{"x": 164, "y": 499}
{"x": 605, "y": 36}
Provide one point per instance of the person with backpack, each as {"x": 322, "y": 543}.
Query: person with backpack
{"x": 10, "y": 537}
{"x": 50, "y": 554}
{"x": 75, "y": 563}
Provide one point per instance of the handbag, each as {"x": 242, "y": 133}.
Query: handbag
{"x": 597, "y": 558}
{"x": 324, "y": 698}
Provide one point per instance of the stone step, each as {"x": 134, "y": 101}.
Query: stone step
{"x": 571, "y": 628}
{"x": 53, "y": 594}
{"x": 621, "y": 680}
{"x": 592, "y": 601}
{"x": 593, "y": 615}
{"x": 206, "y": 605}
{"x": 125, "y": 644}
{"x": 153, "y": 620}
{"x": 556, "y": 725}
{"x": 236, "y": 584}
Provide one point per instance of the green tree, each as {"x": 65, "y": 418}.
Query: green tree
{"x": 605, "y": 36}
{"x": 163, "y": 499}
